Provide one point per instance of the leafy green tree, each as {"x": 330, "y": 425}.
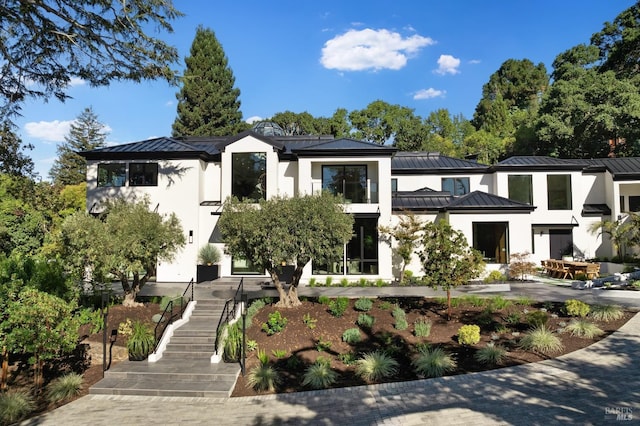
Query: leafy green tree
{"x": 447, "y": 259}
{"x": 46, "y": 43}
{"x": 40, "y": 325}
{"x": 485, "y": 146}
{"x": 406, "y": 235}
{"x": 619, "y": 232}
{"x": 296, "y": 124}
{"x": 13, "y": 160}
{"x": 379, "y": 121}
{"x": 208, "y": 102}
{"x": 86, "y": 133}
{"x": 296, "y": 230}
{"x": 127, "y": 243}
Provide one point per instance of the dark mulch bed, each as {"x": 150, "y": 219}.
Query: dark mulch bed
{"x": 300, "y": 341}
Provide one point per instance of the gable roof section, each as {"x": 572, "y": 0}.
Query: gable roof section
{"x": 478, "y": 200}
{"x": 157, "y": 148}
{"x": 424, "y": 200}
{"x": 626, "y": 168}
{"x": 433, "y": 163}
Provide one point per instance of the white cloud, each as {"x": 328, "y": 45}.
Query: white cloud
{"x": 49, "y": 131}
{"x": 253, "y": 119}
{"x": 76, "y": 81}
{"x": 358, "y": 50}
{"x": 429, "y": 93}
{"x": 447, "y": 64}
{"x": 474, "y": 61}
{"x": 168, "y": 103}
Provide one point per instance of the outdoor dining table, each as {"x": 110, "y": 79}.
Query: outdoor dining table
{"x": 571, "y": 268}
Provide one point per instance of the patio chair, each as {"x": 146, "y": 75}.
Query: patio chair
{"x": 593, "y": 270}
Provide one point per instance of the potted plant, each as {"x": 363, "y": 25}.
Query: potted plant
{"x": 208, "y": 268}
{"x": 141, "y": 342}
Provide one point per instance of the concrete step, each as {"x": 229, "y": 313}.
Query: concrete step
{"x": 191, "y": 355}
{"x": 169, "y": 370}
{"x": 193, "y": 339}
{"x": 162, "y": 387}
{"x": 188, "y": 347}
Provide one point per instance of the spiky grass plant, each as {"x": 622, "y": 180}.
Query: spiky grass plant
{"x": 422, "y": 327}
{"x": 14, "y": 406}
{"x": 541, "y": 339}
{"x": 363, "y": 304}
{"x": 433, "y": 362}
{"x": 583, "y": 328}
{"x": 319, "y": 375}
{"x": 365, "y": 320}
{"x": 263, "y": 377}
{"x": 64, "y": 387}
{"x": 606, "y": 313}
{"x": 490, "y": 354}
{"x": 499, "y": 303}
{"x": 376, "y": 365}
{"x": 351, "y": 336}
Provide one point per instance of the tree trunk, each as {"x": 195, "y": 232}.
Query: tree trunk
{"x": 5, "y": 369}
{"x": 448, "y": 305}
{"x": 287, "y": 300}
{"x": 130, "y": 292}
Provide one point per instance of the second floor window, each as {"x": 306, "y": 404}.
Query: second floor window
{"x": 559, "y": 192}
{"x": 143, "y": 174}
{"x": 347, "y": 181}
{"x": 114, "y": 174}
{"x": 456, "y": 186}
{"x": 521, "y": 189}
{"x": 249, "y": 175}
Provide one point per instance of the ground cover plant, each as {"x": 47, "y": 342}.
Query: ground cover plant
{"x": 348, "y": 351}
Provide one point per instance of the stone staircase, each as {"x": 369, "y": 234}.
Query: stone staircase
{"x": 185, "y": 368}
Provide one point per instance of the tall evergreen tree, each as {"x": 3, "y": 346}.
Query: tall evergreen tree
{"x": 86, "y": 133}
{"x": 12, "y": 160}
{"x": 208, "y": 104}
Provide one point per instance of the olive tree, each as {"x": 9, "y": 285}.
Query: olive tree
{"x": 447, "y": 259}
{"x": 126, "y": 243}
{"x": 296, "y": 230}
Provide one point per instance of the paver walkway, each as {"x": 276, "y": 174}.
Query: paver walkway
{"x": 596, "y": 385}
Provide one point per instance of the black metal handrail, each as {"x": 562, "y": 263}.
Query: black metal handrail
{"x": 228, "y": 312}
{"x": 168, "y": 316}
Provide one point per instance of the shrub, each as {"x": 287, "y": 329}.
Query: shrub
{"x": 433, "y": 362}
{"x": 494, "y": 276}
{"x": 348, "y": 358}
{"x": 312, "y": 282}
{"x": 92, "y": 317}
{"x": 576, "y": 308}
{"x": 365, "y": 320}
{"x": 524, "y": 301}
{"x": 422, "y": 327}
{"x": 537, "y": 318}
{"x": 233, "y": 343}
{"x": 469, "y": 334}
{"x": 473, "y": 300}
{"x": 254, "y": 308}
{"x": 606, "y": 313}
{"x": 64, "y": 387}
{"x": 328, "y": 281}
{"x": 400, "y": 317}
{"x": 344, "y": 282}
{"x": 499, "y": 303}
{"x": 338, "y": 306}
{"x": 490, "y": 354}
{"x": 263, "y": 377}
{"x": 208, "y": 254}
{"x": 351, "y": 336}
{"x": 583, "y": 328}
{"x": 263, "y": 357}
{"x": 385, "y": 305}
{"x": 14, "y": 406}
{"x": 309, "y": 321}
{"x": 319, "y": 375}
{"x": 401, "y": 324}
{"x": 512, "y": 318}
{"x": 324, "y": 300}
{"x": 364, "y": 304}
{"x": 279, "y": 353}
{"x": 141, "y": 342}
{"x": 252, "y": 345}
{"x": 275, "y": 323}
{"x": 323, "y": 345}
{"x": 164, "y": 302}
{"x": 376, "y": 365}
{"x": 542, "y": 340}
{"x": 125, "y": 328}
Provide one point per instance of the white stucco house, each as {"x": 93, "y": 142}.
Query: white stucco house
{"x": 539, "y": 205}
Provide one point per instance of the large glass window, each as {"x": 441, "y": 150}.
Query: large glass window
{"x": 559, "y": 192}
{"x": 634, "y": 203}
{"x": 347, "y": 181}
{"x": 490, "y": 239}
{"x": 114, "y": 174}
{"x": 249, "y": 175}
{"x": 143, "y": 174}
{"x": 520, "y": 188}
{"x": 455, "y": 186}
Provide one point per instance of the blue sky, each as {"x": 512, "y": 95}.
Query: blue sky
{"x": 317, "y": 56}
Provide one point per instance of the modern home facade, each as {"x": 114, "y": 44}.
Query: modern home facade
{"x": 540, "y": 205}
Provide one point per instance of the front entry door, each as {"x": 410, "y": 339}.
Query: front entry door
{"x": 560, "y": 243}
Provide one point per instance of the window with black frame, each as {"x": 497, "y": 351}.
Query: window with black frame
{"x": 143, "y": 174}
{"x": 456, "y": 186}
{"x": 112, "y": 174}
{"x": 348, "y": 181}
{"x": 249, "y": 175}
{"x": 559, "y": 192}
{"x": 521, "y": 188}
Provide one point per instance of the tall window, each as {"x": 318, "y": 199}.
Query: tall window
{"x": 394, "y": 185}
{"x": 143, "y": 174}
{"x": 455, "y": 186}
{"x": 249, "y": 175}
{"x": 114, "y": 174}
{"x": 559, "y": 192}
{"x": 490, "y": 239}
{"x": 520, "y": 188}
{"x": 634, "y": 203}
{"x": 347, "y": 181}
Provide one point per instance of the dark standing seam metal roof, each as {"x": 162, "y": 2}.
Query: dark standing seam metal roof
{"x": 596, "y": 210}
{"x": 428, "y": 200}
{"x": 625, "y": 168}
{"x": 478, "y": 200}
{"x": 432, "y": 163}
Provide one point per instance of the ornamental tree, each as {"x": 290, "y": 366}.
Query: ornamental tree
{"x": 127, "y": 241}
{"x": 447, "y": 259}
{"x": 406, "y": 235}
{"x": 294, "y": 230}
